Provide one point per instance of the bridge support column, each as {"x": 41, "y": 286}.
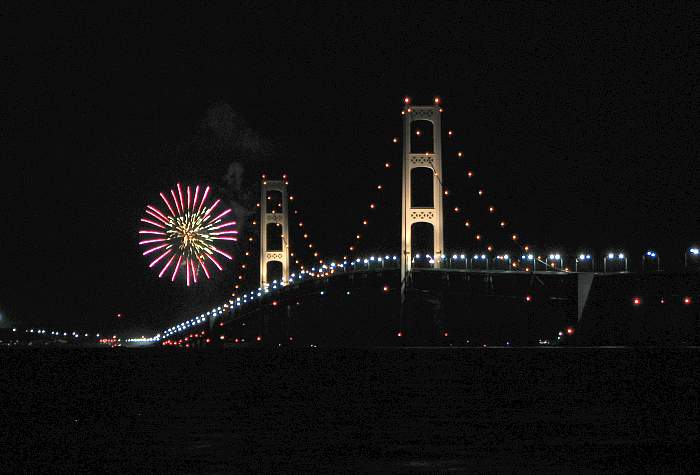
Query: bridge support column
{"x": 433, "y": 161}
{"x": 279, "y": 217}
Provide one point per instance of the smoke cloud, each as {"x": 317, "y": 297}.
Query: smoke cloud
{"x": 228, "y": 148}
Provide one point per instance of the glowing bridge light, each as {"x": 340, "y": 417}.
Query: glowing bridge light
{"x": 694, "y": 251}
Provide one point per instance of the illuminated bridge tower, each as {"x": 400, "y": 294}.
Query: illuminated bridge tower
{"x": 412, "y": 214}
{"x": 274, "y": 228}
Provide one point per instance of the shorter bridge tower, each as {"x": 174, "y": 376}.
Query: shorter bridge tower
{"x": 279, "y": 217}
{"x": 433, "y": 161}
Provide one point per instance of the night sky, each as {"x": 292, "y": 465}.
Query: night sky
{"x": 578, "y": 123}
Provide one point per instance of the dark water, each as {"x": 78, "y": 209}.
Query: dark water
{"x": 351, "y": 410}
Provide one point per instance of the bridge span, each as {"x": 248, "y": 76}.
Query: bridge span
{"x": 365, "y": 307}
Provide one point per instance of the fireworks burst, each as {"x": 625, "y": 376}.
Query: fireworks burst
{"x": 185, "y": 236}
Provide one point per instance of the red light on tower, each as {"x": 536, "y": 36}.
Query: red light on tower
{"x": 445, "y": 334}
{"x": 528, "y": 298}
{"x": 406, "y": 100}
{"x": 570, "y": 331}
{"x": 687, "y": 300}
{"x": 399, "y": 334}
{"x": 258, "y": 338}
{"x": 636, "y": 301}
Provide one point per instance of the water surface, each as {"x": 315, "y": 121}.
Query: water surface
{"x": 485, "y": 409}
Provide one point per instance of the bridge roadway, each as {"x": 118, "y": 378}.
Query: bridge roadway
{"x": 364, "y": 307}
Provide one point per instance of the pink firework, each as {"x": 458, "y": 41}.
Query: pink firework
{"x": 183, "y": 238}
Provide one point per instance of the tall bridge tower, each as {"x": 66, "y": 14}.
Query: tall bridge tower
{"x": 273, "y": 218}
{"x": 432, "y": 160}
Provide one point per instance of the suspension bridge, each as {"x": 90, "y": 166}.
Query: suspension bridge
{"x": 422, "y": 293}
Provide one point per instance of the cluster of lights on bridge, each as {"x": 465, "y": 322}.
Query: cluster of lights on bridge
{"x": 64, "y": 336}
{"x": 553, "y": 261}
{"x": 41, "y": 331}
